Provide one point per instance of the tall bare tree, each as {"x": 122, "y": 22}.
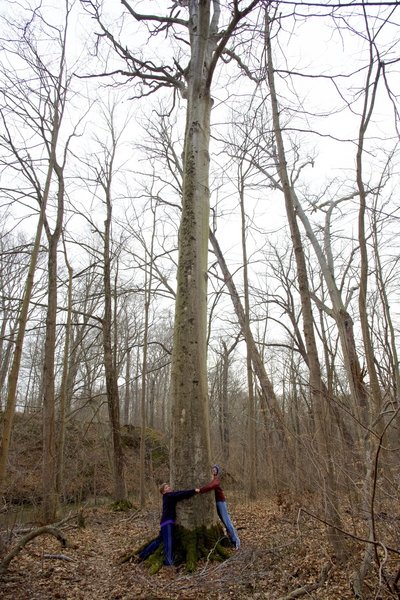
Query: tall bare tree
{"x": 104, "y": 172}
{"x": 147, "y": 305}
{"x": 190, "y": 443}
{"x": 251, "y": 457}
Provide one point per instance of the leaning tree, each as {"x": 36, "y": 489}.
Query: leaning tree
{"x": 196, "y": 33}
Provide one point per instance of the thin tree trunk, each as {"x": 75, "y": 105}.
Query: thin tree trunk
{"x": 224, "y": 403}
{"x": 64, "y": 384}
{"x": 370, "y": 91}
{"x": 147, "y": 300}
{"x": 268, "y": 394}
{"x": 369, "y": 102}
{"x": 320, "y": 404}
{"x": 128, "y": 387}
{"x": 6, "y": 355}
{"x": 251, "y": 415}
{"x": 390, "y": 337}
{"x": 109, "y": 364}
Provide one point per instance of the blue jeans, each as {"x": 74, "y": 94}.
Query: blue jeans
{"x": 166, "y": 536}
{"x": 223, "y": 514}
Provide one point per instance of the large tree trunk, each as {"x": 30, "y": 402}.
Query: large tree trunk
{"x": 190, "y": 443}
{"x": 190, "y": 439}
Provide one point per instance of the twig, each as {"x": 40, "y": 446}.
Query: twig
{"x": 350, "y": 535}
{"x": 381, "y": 564}
{"x": 59, "y": 557}
{"x": 305, "y": 589}
{"x": 134, "y": 516}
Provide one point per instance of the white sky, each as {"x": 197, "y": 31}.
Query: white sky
{"x": 306, "y": 45}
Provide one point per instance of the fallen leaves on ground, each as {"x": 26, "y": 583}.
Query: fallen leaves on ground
{"x": 281, "y": 552}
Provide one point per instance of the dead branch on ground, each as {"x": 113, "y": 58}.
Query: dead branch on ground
{"x": 46, "y": 529}
{"x": 310, "y": 587}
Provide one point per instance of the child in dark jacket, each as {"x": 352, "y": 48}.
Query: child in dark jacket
{"x": 222, "y": 508}
{"x": 167, "y": 523}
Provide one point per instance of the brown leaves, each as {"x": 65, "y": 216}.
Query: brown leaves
{"x": 278, "y": 557}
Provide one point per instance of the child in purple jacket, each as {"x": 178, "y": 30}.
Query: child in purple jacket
{"x": 167, "y": 523}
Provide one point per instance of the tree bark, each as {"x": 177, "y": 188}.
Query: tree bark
{"x": 190, "y": 439}
{"x": 61, "y": 417}
{"x": 147, "y": 302}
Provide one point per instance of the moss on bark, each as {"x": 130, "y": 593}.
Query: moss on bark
{"x": 202, "y": 543}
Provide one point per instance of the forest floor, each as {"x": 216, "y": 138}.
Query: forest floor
{"x": 282, "y": 551}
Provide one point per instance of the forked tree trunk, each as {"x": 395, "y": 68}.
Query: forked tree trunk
{"x": 49, "y": 475}
{"x": 375, "y": 407}
{"x": 190, "y": 439}
{"x": 190, "y": 444}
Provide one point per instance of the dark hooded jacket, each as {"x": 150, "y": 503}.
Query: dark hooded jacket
{"x": 169, "y": 502}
